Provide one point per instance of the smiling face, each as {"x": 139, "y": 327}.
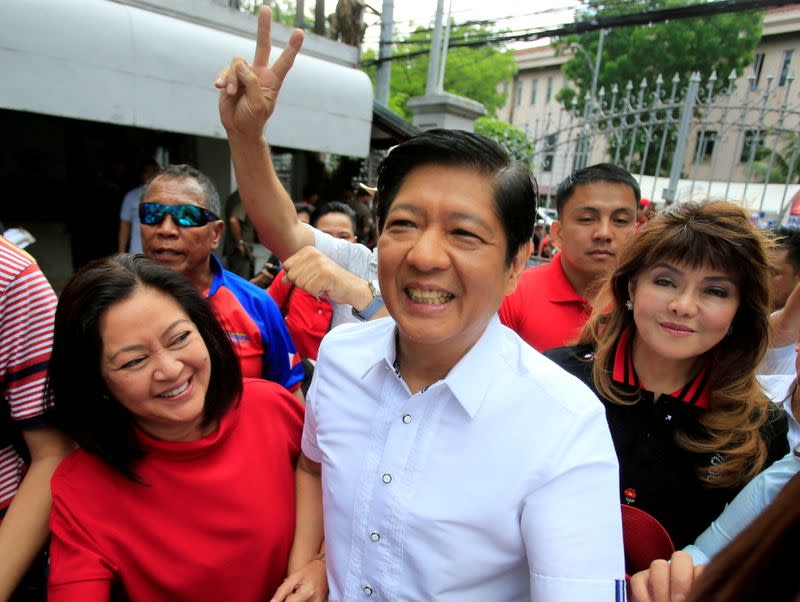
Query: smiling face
{"x": 184, "y": 249}
{"x": 155, "y": 364}
{"x": 442, "y": 258}
{"x": 682, "y": 312}
{"x": 594, "y": 225}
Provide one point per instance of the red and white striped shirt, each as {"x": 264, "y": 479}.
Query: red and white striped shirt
{"x": 27, "y": 311}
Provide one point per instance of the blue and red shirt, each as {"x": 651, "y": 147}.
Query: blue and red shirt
{"x": 255, "y": 327}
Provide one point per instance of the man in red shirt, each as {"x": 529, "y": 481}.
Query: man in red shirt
{"x": 596, "y": 217}
{"x": 308, "y": 317}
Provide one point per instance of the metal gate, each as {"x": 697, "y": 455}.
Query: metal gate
{"x": 682, "y": 140}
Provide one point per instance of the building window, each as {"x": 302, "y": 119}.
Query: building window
{"x": 549, "y": 152}
{"x": 786, "y": 66}
{"x": 504, "y": 87}
{"x": 758, "y": 64}
{"x": 518, "y": 94}
{"x": 549, "y": 90}
{"x": 533, "y": 91}
{"x": 704, "y": 147}
{"x": 753, "y": 139}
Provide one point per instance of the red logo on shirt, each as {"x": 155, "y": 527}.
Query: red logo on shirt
{"x": 630, "y": 495}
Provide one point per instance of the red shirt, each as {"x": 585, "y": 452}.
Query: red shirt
{"x": 308, "y": 318}
{"x": 213, "y": 521}
{"x": 545, "y": 310}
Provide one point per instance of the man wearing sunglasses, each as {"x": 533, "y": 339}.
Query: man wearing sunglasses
{"x": 180, "y": 228}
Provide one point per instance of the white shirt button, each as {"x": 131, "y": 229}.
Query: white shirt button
{"x": 387, "y": 478}
{"x": 374, "y": 536}
{"x": 367, "y": 590}
{"x": 407, "y": 419}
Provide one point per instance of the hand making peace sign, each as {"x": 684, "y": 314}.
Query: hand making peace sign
{"x": 249, "y": 93}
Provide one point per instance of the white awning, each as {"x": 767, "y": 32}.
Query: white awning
{"x": 103, "y": 61}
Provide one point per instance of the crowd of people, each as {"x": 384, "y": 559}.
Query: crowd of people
{"x": 422, "y": 419}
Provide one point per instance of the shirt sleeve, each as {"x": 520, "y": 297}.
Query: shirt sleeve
{"x": 309, "y": 444}
{"x": 130, "y": 206}
{"x": 572, "y": 524}
{"x": 79, "y": 572}
{"x": 279, "y": 290}
{"x": 26, "y": 330}
{"x": 744, "y": 509}
{"x": 282, "y": 364}
{"x": 353, "y": 257}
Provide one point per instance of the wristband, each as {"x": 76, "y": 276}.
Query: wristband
{"x": 374, "y": 305}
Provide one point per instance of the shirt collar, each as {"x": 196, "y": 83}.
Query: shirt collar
{"x": 218, "y": 278}
{"x": 469, "y": 380}
{"x": 695, "y": 392}
{"x": 560, "y": 289}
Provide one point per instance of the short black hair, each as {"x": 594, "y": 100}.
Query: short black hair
{"x": 181, "y": 171}
{"x": 789, "y": 239}
{"x": 334, "y": 207}
{"x": 600, "y": 172}
{"x": 515, "y": 191}
{"x": 81, "y": 403}
{"x": 304, "y": 208}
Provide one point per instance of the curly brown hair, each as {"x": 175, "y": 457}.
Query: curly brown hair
{"x": 717, "y": 235}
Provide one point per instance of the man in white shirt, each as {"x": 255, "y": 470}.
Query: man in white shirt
{"x": 454, "y": 461}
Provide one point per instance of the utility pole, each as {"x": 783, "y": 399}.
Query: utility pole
{"x": 319, "y": 17}
{"x": 384, "y": 73}
{"x": 436, "y": 52}
{"x": 445, "y": 44}
{"x": 299, "y": 20}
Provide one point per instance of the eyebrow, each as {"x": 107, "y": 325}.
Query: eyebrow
{"x": 470, "y": 217}
{"x": 596, "y": 210}
{"x": 675, "y": 270}
{"x": 167, "y": 330}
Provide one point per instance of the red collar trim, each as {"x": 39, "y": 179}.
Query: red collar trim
{"x": 695, "y": 392}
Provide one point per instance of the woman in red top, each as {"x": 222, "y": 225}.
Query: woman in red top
{"x": 183, "y": 488}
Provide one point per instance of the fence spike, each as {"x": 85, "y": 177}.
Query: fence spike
{"x": 732, "y": 76}
{"x": 676, "y": 78}
{"x": 629, "y": 86}
{"x": 713, "y": 76}
{"x": 643, "y": 85}
{"x": 659, "y": 80}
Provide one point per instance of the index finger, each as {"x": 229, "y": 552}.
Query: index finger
{"x": 263, "y": 37}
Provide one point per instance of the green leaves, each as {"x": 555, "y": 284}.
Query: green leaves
{"x": 474, "y": 72}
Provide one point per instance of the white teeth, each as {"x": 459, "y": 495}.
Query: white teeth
{"x": 176, "y": 391}
{"x": 429, "y": 297}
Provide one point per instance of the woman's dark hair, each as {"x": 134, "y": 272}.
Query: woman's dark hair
{"x": 760, "y": 562}
{"x": 719, "y": 235}
{"x": 81, "y": 404}
{"x": 515, "y": 192}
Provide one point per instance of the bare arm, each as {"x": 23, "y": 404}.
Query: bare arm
{"x": 24, "y": 529}
{"x": 785, "y": 323}
{"x": 123, "y": 236}
{"x": 248, "y": 96}
{"x": 298, "y": 394}
{"x": 307, "y": 578}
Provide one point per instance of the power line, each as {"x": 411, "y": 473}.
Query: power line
{"x": 642, "y": 18}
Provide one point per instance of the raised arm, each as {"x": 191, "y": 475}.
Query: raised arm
{"x": 785, "y": 322}
{"x": 248, "y": 96}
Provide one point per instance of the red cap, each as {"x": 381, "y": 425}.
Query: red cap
{"x": 644, "y": 202}
{"x": 645, "y": 539}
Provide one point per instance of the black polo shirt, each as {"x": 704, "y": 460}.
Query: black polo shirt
{"x": 656, "y": 474}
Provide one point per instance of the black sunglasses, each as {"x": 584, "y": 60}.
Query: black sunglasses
{"x": 188, "y": 216}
